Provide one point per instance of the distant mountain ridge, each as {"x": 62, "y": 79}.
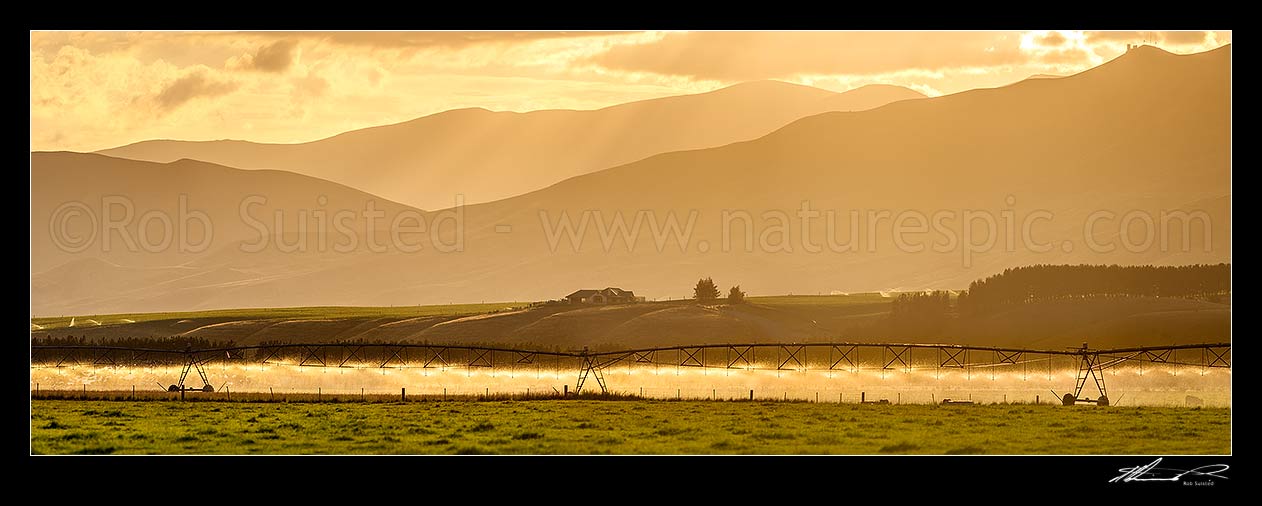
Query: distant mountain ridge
{"x": 485, "y": 155}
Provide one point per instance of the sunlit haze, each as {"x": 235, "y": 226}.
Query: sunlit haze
{"x": 97, "y": 90}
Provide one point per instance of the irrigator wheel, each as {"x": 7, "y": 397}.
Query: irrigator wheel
{"x": 208, "y": 388}
{"x": 1068, "y": 400}
{"x": 1102, "y": 401}
{"x": 173, "y": 388}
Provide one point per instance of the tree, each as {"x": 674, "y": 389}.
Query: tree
{"x": 1037, "y": 283}
{"x": 706, "y": 290}
{"x": 735, "y": 295}
{"x": 920, "y": 314}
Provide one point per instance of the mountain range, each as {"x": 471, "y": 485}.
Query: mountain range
{"x": 1146, "y": 133}
{"x": 487, "y": 155}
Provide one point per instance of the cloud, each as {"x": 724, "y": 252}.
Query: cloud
{"x": 1116, "y": 36}
{"x": 1066, "y": 56}
{"x": 1185, "y": 38}
{"x": 739, "y": 56}
{"x": 198, "y": 84}
{"x": 439, "y": 39}
{"x": 274, "y": 57}
{"x": 1060, "y": 51}
{"x": 1052, "y": 39}
{"x": 312, "y": 85}
{"x": 1182, "y": 38}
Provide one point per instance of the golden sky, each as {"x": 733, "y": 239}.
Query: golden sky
{"x": 95, "y": 90}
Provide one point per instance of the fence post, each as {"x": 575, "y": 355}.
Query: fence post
{"x": 751, "y": 394}
{"x": 566, "y": 393}
{"x": 226, "y": 390}
{"x": 863, "y": 397}
{"x": 319, "y": 395}
{"x": 403, "y": 394}
{"x": 271, "y": 394}
{"x": 361, "y": 394}
{"x": 1036, "y": 399}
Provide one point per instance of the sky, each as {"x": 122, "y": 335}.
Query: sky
{"x": 97, "y": 90}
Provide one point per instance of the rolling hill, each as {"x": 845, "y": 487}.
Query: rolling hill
{"x": 175, "y": 256}
{"x": 486, "y": 155}
{"x": 855, "y": 318}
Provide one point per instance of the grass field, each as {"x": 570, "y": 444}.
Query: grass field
{"x": 292, "y": 313}
{"x": 314, "y": 312}
{"x": 1103, "y": 322}
{"x": 618, "y": 427}
{"x": 822, "y": 300}
{"x": 616, "y": 326}
{"x": 831, "y": 304}
{"x": 829, "y": 308}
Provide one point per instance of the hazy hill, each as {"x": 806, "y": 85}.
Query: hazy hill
{"x": 488, "y": 155}
{"x": 175, "y": 255}
{"x": 1149, "y": 131}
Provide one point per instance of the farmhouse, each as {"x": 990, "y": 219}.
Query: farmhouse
{"x": 607, "y": 296}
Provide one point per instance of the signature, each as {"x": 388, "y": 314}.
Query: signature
{"x": 1151, "y": 472}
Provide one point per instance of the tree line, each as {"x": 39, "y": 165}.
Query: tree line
{"x": 1036, "y": 283}
{"x": 920, "y": 313}
{"x": 922, "y": 304}
{"x": 172, "y": 343}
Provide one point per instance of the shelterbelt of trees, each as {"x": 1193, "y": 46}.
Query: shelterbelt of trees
{"x": 1049, "y": 282}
